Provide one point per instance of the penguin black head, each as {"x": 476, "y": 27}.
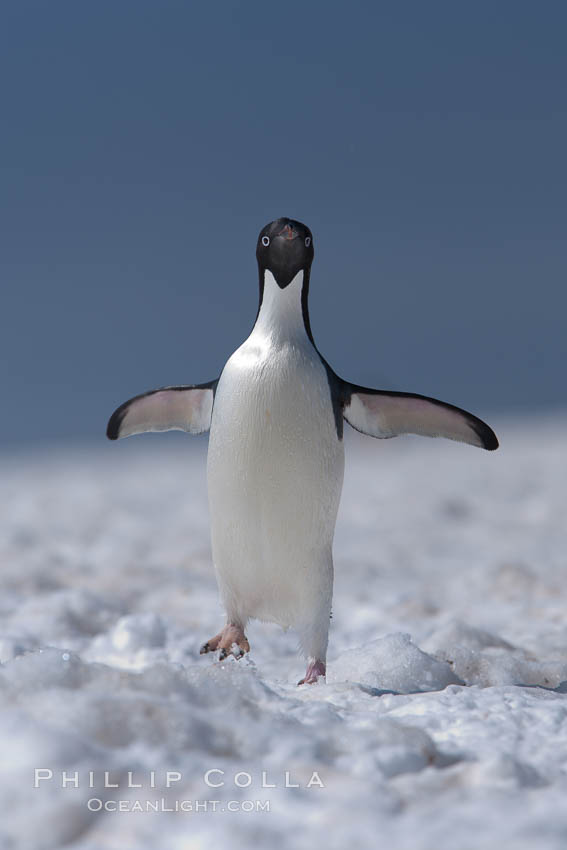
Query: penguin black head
{"x": 284, "y": 247}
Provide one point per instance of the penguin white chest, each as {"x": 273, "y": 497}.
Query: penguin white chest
{"x": 275, "y": 469}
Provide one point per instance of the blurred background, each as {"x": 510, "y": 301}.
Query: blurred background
{"x": 143, "y": 145}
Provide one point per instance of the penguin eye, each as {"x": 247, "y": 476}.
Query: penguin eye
{"x": 265, "y": 241}
{"x": 307, "y": 241}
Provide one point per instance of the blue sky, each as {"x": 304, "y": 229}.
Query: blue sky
{"x": 144, "y": 145}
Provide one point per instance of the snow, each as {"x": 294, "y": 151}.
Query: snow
{"x": 393, "y": 663}
{"x": 443, "y": 722}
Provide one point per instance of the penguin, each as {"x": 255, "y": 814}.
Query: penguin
{"x": 276, "y": 453}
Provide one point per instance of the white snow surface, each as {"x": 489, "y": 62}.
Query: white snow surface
{"x": 443, "y": 722}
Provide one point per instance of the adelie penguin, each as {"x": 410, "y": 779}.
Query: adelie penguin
{"x": 276, "y": 455}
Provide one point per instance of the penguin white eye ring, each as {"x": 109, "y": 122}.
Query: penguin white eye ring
{"x": 272, "y": 509}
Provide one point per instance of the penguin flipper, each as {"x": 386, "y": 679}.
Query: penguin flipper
{"x": 384, "y": 414}
{"x": 185, "y": 408}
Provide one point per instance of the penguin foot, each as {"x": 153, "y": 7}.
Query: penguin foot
{"x": 231, "y": 636}
{"x": 314, "y": 670}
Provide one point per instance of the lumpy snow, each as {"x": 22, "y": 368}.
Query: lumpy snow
{"x": 443, "y": 721}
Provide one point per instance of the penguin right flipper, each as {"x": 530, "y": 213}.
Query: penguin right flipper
{"x": 383, "y": 414}
{"x": 185, "y": 408}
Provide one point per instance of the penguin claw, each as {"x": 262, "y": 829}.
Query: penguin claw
{"x": 230, "y": 641}
{"x": 315, "y": 669}
{"x": 237, "y": 652}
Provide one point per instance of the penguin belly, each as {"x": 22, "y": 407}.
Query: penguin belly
{"x": 275, "y": 473}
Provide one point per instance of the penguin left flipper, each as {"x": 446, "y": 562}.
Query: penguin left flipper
{"x": 185, "y": 408}
{"x": 383, "y": 414}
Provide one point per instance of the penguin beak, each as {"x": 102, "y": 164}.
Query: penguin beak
{"x": 288, "y": 232}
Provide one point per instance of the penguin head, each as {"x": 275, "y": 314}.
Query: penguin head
{"x": 285, "y": 247}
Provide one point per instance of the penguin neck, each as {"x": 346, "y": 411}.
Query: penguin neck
{"x": 283, "y": 314}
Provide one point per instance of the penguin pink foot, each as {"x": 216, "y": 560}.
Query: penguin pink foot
{"x": 315, "y": 669}
{"x": 231, "y": 634}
